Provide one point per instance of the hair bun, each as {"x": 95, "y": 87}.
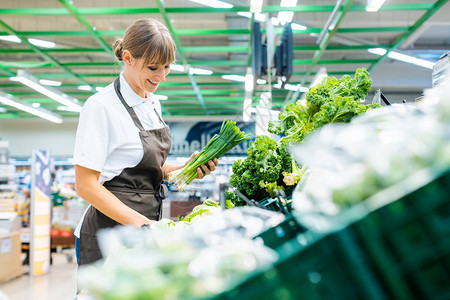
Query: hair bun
{"x": 118, "y": 49}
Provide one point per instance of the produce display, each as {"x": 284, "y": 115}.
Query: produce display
{"x": 350, "y": 163}
{"x": 229, "y": 136}
{"x": 269, "y": 165}
{"x": 204, "y": 259}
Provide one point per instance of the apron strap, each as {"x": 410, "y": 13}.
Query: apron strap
{"x": 129, "y": 109}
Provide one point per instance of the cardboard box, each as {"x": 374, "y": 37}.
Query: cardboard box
{"x": 10, "y": 221}
{"x": 10, "y": 256}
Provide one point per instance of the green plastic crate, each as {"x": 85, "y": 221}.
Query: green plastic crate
{"x": 398, "y": 250}
{"x": 285, "y": 231}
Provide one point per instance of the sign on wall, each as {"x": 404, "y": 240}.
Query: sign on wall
{"x": 40, "y": 213}
{"x": 188, "y": 137}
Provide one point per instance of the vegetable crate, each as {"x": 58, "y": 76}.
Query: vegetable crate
{"x": 398, "y": 251}
{"x": 285, "y": 231}
{"x": 273, "y": 205}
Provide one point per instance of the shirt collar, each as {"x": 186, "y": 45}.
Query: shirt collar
{"x": 130, "y": 96}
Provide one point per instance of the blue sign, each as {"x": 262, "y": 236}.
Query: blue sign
{"x": 188, "y": 137}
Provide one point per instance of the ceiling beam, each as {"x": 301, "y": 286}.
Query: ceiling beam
{"x": 92, "y": 31}
{"x": 162, "y": 10}
{"x": 327, "y": 37}
{"x": 184, "y": 10}
{"x": 431, "y": 11}
{"x": 199, "y": 31}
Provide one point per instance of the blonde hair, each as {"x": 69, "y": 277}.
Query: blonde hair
{"x": 148, "y": 39}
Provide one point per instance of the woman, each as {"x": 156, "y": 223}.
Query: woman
{"x": 122, "y": 142}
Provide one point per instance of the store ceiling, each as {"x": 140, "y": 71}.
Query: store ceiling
{"x": 217, "y": 40}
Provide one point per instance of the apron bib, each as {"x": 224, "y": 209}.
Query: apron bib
{"x": 140, "y": 187}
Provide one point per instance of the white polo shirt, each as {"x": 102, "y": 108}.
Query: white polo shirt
{"x": 107, "y": 139}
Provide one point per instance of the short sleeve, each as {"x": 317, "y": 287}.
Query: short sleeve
{"x": 92, "y": 138}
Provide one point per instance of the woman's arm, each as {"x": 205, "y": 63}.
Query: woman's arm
{"x": 92, "y": 191}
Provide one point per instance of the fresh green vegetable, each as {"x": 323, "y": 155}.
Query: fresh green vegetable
{"x": 268, "y": 165}
{"x": 259, "y": 174}
{"x": 229, "y": 136}
{"x": 208, "y": 207}
{"x": 331, "y": 101}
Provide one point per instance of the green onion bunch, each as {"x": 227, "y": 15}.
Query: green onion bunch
{"x": 229, "y": 136}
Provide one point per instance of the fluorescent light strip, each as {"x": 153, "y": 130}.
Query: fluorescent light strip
{"x": 234, "y": 77}
{"x": 374, "y": 5}
{"x": 403, "y": 57}
{"x": 196, "y": 71}
{"x": 50, "y": 92}
{"x": 36, "y": 42}
{"x": 161, "y": 97}
{"x": 213, "y": 3}
{"x": 50, "y": 82}
{"x": 258, "y": 16}
{"x": 7, "y": 99}
{"x": 288, "y": 3}
{"x": 256, "y": 6}
{"x": 174, "y": 67}
{"x": 84, "y": 88}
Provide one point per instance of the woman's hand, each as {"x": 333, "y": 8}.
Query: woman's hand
{"x": 204, "y": 169}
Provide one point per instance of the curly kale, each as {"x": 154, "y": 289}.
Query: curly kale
{"x": 261, "y": 170}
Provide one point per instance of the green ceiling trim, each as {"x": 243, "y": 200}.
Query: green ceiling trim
{"x": 345, "y": 61}
{"x": 340, "y": 47}
{"x": 433, "y": 9}
{"x": 162, "y": 10}
{"x": 184, "y": 10}
{"x": 192, "y": 32}
{"x": 92, "y": 32}
{"x": 326, "y": 39}
{"x": 204, "y": 92}
{"x": 8, "y": 115}
{"x": 41, "y": 53}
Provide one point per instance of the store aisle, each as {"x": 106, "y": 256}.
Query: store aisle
{"x": 59, "y": 284}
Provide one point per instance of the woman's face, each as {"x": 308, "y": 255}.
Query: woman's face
{"x": 145, "y": 78}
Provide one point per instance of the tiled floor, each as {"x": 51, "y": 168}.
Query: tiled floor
{"x": 59, "y": 284}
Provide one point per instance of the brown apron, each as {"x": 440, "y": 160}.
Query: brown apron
{"x": 140, "y": 187}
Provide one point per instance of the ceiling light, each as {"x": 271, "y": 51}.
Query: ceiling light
{"x": 258, "y": 16}
{"x": 2, "y": 110}
{"x": 50, "y": 92}
{"x": 41, "y": 43}
{"x": 36, "y": 104}
{"x": 411, "y": 59}
{"x": 161, "y": 97}
{"x": 285, "y": 17}
{"x": 8, "y": 99}
{"x": 65, "y": 108}
{"x": 403, "y": 57}
{"x": 196, "y": 71}
{"x": 10, "y": 38}
{"x": 214, "y": 3}
{"x": 36, "y": 42}
{"x": 50, "y": 82}
{"x": 303, "y": 89}
{"x": 288, "y": 3}
{"x": 174, "y": 67}
{"x": 296, "y": 26}
{"x": 374, "y": 5}
{"x": 292, "y": 87}
{"x": 261, "y": 81}
{"x": 234, "y": 77}
{"x": 256, "y": 6}
{"x": 377, "y": 51}
{"x": 99, "y": 88}
{"x": 84, "y": 88}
